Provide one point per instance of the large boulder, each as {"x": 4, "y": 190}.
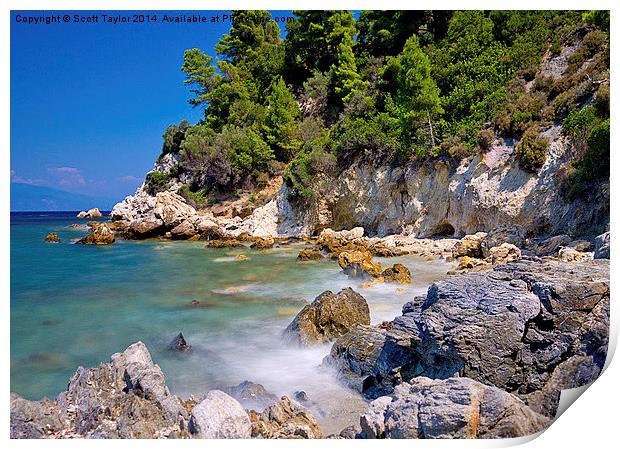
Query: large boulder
{"x": 125, "y": 398}
{"x": 520, "y": 327}
{"x": 285, "y": 419}
{"x": 251, "y": 395}
{"x": 328, "y": 317}
{"x": 503, "y": 253}
{"x": 550, "y": 246}
{"x": 52, "y": 237}
{"x": 90, "y": 213}
{"x": 451, "y": 408}
{"x": 145, "y": 227}
{"x": 100, "y": 234}
{"x": 359, "y": 264}
{"x": 219, "y": 416}
{"x": 602, "y": 246}
{"x": 172, "y": 209}
{"x": 513, "y": 234}
{"x": 397, "y": 273}
{"x": 567, "y": 254}
{"x": 469, "y": 246}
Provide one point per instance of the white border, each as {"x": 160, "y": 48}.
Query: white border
{"x": 590, "y": 422}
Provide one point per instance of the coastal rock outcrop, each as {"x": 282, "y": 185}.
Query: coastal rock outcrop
{"x": 310, "y": 254}
{"x": 100, "y": 234}
{"x": 285, "y": 419}
{"x": 602, "y": 246}
{"x": 359, "y": 264}
{"x": 90, "y": 213}
{"x": 219, "y": 416}
{"x": 328, "y": 317}
{"x": 397, "y": 273}
{"x": 179, "y": 344}
{"x": 550, "y": 246}
{"x": 469, "y": 246}
{"x": 451, "y": 408}
{"x": 519, "y": 327}
{"x": 52, "y": 237}
{"x": 510, "y": 234}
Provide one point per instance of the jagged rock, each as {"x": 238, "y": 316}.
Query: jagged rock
{"x": 337, "y": 241}
{"x": 184, "y": 230}
{"x": 242, "y": 211}
{"x": 301, "y": 396}
{"x": 285, "y": 419}
{"x": 397, "y": 273}
{"x": 451, "y": 408}
{"x": 503, "y": 253}
{"x": 602, "y": 246}
{"x": 219, "y": 416}
{"x": 550, "y": 246}
{"x": 125, "y": 398}
{"x": 179, "y": 344}
{"x": 230, "y": 243}
{"x": 567, "y": 254}
{"x": 328, "y": 317}
{"x": 516, "y": 327}
{"x": 355, "y": 353}
{"x": 91, "y": 213}
{"x": 310, "y": 254}
{"x": 359, "y": 264}
{"x": 252, "y": 396}
{"x": 52, "y": 237}
{"x": 34, "y": 419}
{"x": 469, "y": 246}
{"x": 349, "y": 433}
{"x": 262, "y": 243}
{"x": 512, "y": 234}
{"x": 100, "y": 234}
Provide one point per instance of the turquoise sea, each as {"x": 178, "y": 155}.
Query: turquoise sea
{"x": 75, "y": 305}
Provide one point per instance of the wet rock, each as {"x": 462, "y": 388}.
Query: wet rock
{"x": 301, "y": 396}
{"x": 602, "y": 246}
{"x": 467, "y": 264}
{"x": 328, "y": 317}
{"x": 550, "y": 246}
{"x": 52, "y": 237}
{"x": 262, "y": 243}
{"x": 451, "y": 408}
{"x": 503, "y": 253}
{"x": 355, "y": 354}
{"x": 567, "y": 254}
{"x": 100, "y": 234}
{"x": 310, "y": 254}
{"x": 251, "y": 395}
{"x": 469, "y": 246}
{"x": 229, "y": 243}
{"x": 91, "y": 213}
{"x": 179, "y": 344}
{"x": 219, "y": 416}
{"x": 285, "y": 419}
{"x": 397, "y": 273}
{"x": 513, "y": 234}
{"x": 359, "y": 264}
{"x": 516, "y": 327}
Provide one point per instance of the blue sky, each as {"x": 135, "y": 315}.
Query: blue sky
{"x": 90, "y": 102}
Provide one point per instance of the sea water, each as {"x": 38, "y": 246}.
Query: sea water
{"x": 75, "y": 305}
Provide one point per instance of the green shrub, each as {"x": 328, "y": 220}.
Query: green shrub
{"x": 593, "y": 42}
{"x": 196, "y": 199}
{"x": 579, "y": 122}
{"x": 595, "y": 164}
{"x": 601, "y": 100}
{"x": 485, "y": 138}
{"x": 532, "y": 149}
{"x": 156, "y": 181}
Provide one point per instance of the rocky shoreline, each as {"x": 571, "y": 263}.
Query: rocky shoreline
{"x": 485, "y": 354}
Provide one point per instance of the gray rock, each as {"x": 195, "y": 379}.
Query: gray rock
{"x": 179, "y": 344}
{"x": 516, "y": 327}
{"x": 602, "y": 246}
{"x": 583, "y": 246}
{"x": 513, "y": 234}
{"x": 219, "y": 416}
{"x": 451, "y": 408}
{"x": 251, "y": 395}
{"x": 285, "y": 419}
{"x": 328, "y": 317}
{"x": 34, "y": 419}
{"x": 550, "y": 246}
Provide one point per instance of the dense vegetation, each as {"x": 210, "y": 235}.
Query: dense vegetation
{"x": 392, "y": 86}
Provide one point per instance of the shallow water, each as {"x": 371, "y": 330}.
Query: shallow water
{"x": 76, "y": 305}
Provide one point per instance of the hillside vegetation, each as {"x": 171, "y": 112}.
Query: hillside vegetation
{"x": 394, "y": 87}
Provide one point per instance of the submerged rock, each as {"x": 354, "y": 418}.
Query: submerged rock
{"x": 310, "y": 254}
{"x": 451, "y": 408}
{"x": 397, "y": 273}
{"x": 328, "y": 317}
{"x": 179, "y": 344}
{"x": 252, "y": 396}
{"x": 219, "y": 416}
{"x": 52, "y": 237}
{"x": 230, "y": 243}
{"x": 91, "y": 213}
{"x": 100, "y": 234}
{"x": 285, "y": 419}
{"x": 262, "y": 243}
